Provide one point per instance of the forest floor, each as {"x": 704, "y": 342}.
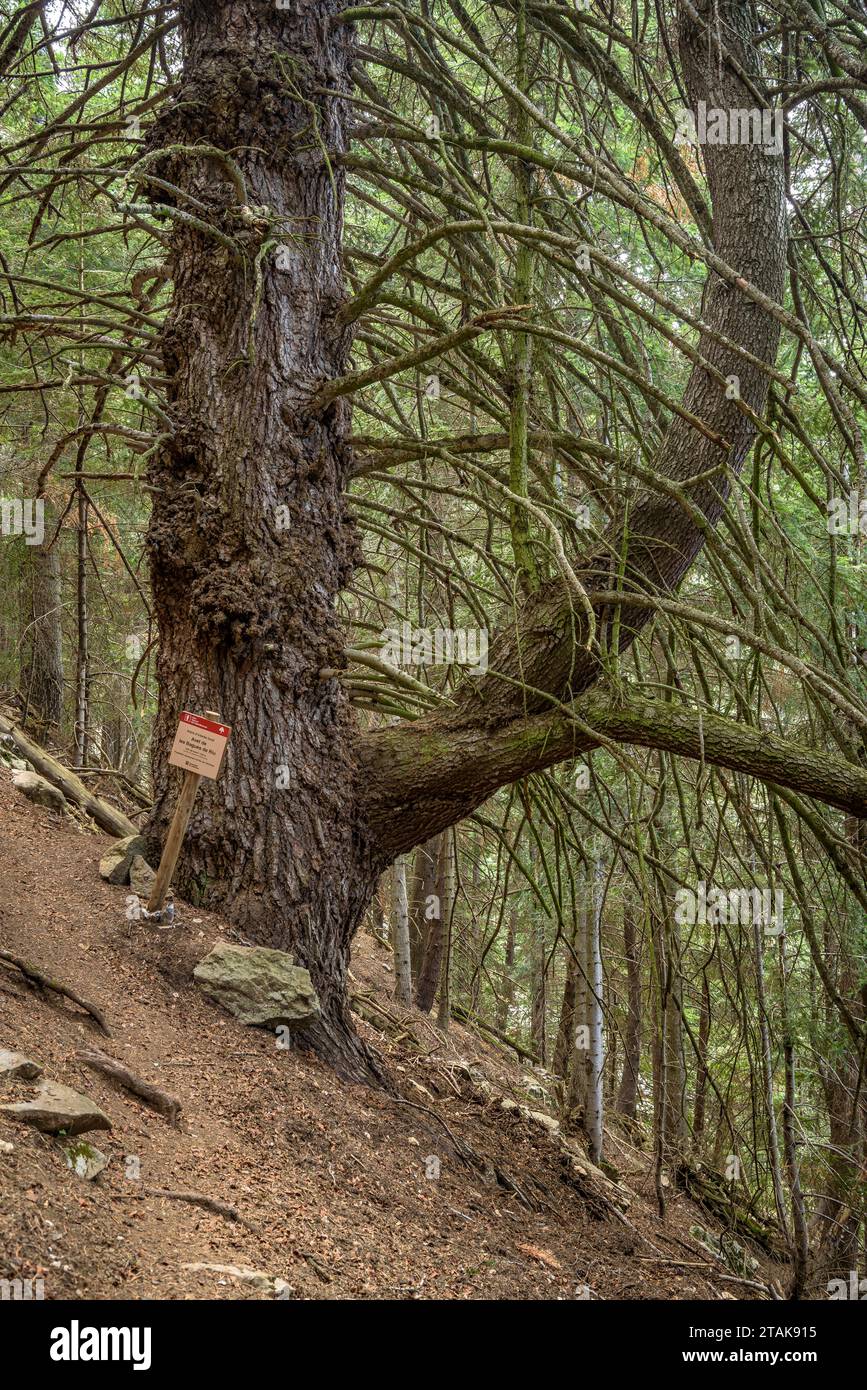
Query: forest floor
{"x": 330, "y": 1179}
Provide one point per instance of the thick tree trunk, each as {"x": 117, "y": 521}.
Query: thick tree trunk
{"x": 250, "y": 542}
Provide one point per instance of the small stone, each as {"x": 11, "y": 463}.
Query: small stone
{"x": 14, "y": 1066}
{"x": 58, "y": 1109}
{"x": 115, "y": 864}
{"x": 82, "y": 1157}
{"x": 141, "y": 877}
{"x": 38, "y": 790}
{"x": 543, "y": 1121}
{"x": 6, "y": 1147}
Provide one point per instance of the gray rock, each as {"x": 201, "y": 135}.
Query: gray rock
{"x": 82, "y": 1157}
{"x": 6, "y": 1147}
{"x": 116, "y": 863}
{"x": 14, "y": 1066}
{"x": 260, "y": 986}
{"x": 141, "y": 877}
{"x": 37, "y": 790}
{"x": 56, "y": 1109}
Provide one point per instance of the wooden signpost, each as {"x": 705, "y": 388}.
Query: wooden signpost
{"x": 199, "y": 745}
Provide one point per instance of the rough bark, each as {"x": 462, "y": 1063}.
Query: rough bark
{"x": 419, "y": 778}
{"x": 250, "y": 541}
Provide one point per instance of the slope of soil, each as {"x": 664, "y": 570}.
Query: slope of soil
{"x": 331, "y": 1181}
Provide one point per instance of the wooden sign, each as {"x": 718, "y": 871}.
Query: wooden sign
{"x": 198, "y": 748}
{"x": 199, "y": 745}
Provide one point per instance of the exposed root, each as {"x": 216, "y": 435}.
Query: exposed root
{"x": 166, "y": 1105}
{"x": 43, "y": 981}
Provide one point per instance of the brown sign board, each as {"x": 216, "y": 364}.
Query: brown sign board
{"x": 199, "y": 745}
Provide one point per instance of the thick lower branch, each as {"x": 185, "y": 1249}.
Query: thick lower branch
{"x": 423, "y": 777}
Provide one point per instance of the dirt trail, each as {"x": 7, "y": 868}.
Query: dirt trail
{"x": 331, "y": 1179}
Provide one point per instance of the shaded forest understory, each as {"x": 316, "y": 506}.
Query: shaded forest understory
{"x": 464, "y": 402}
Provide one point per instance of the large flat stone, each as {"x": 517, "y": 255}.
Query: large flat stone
{"x": 58, "y": 1109}
{"x": 260, "y": 986}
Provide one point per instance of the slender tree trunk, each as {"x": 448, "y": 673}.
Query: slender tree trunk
{"x": 674, "y": 1060}
{"x": 82, "y": 654}
{"x": 627, "y": 1096}
{"x": 801, "y": 1243}
{"x": 566, "y": 1031}
{"x": 431, "y": 966}
{"x": 507, "y": 981}
{"x": 425, "y": 902}
{"x": 538, "y": 1031}
{"x": 596, "y": 1096}
{"x": 449, "y": 896}
{"x": 702, "y": 1065}
{"x": 576, "y": 1105}
{"x": 400, "y": 933}
{"x": 42, "y": 647}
